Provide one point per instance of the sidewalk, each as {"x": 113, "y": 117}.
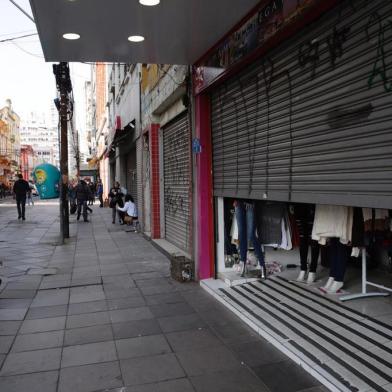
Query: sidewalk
{"x": 102, "y": 314}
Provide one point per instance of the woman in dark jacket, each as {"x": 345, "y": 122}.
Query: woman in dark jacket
{"x": 115, "y": 198}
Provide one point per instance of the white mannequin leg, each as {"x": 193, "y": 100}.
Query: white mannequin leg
{"x": 301, "y": 276}
{"x": 327, "y": 285}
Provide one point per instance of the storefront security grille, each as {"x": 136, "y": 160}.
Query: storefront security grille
{"x": 176, "y": 152}
{"x": 312, "y": 120}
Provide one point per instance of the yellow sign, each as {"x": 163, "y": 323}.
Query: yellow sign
{"x": 40, "y": 176}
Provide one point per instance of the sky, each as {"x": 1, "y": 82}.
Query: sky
{"x": 25, "y": 77}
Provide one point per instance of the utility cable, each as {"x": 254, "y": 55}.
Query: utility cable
{"x": 18, "y": 37}
{"x": 22, "y": 10}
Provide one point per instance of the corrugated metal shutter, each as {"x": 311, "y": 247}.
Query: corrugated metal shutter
{"x": 176, "y": 158}
{"x": 312, "y": 120}
{"x": 139, "y": 174}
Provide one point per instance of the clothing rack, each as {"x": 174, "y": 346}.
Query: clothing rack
{"x": 365, "y": 283}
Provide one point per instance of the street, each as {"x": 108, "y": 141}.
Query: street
{"x": 101, "y": 313}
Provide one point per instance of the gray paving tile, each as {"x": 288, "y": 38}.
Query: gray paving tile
{"x": 12, "y": 314}
{"x": 121, "y": 282}
{"x": 46, "y": 312}
{"x": 15, "y": 303}
{"x": 136, "y": 328}
{"x": 85, "y": 354}
{"x": 34, "y": 382}
{"x": 142, "y": 346}
{"x": 166, "y": 310}
{"x": 210, "y": 360}
{"x": 51, "y": 298}
{"x": 87, "y": 319}
{"x": 101, "y": 376}
{"x": 192, "y": 339}
{"x": 86, "y": 294}
{"x": 127, "y": 302}
{"x": 291, "y": 377}
{"x": 179, "y": 385}
{"x": 96, "y": 333}
{"x": 17, "y": 294}
{"x": 87, "y": 307}
{"x": 164, "y": 298}
{"x": 151, "y": 290}
{"x": 131, "y": 314}
{"x": 5, "y": 344}
{"x": 38, "y": 341}
{"x": 43, "y": 325}
{"x": 242, "y": 380}
{"x": 150, "y": 369}
{"x": 121, "y": 293}
{"x": 181, "y": 323}
{"x": 31, "y": 361}
{"x": 2, "y": 358}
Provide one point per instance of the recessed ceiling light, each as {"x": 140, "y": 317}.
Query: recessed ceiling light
{"x": 71, "y": 36}
{"x": 149, "y": 2}
{"x": 136, "y": 38}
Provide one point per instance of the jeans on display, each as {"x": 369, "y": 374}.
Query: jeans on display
{"x": 21, "y": 206}
{"x": 230, "y": 248}
{"x": 245, "y": 215}
{"x": 339, "y": 255}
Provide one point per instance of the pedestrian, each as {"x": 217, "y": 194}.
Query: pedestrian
{"x": 30, "y": 194}
{"x": 115, "y": 196}
{"x": 82, "y": 196}
{"x": 100, "y": 192}
{"x": 72, "y": 196}
{"x": 129, "y": 211}
{"x": 92, "y": 191}
{"x": 21, "y": 188}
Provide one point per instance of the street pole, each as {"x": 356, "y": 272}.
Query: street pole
{"x": 64, "y": 87}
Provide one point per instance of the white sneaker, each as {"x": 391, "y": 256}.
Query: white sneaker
{"x": 326, "y": 287}
{"x": 335, "y": 287}
{"x": 301, "y": 276}
{"x": 311, "y": 278}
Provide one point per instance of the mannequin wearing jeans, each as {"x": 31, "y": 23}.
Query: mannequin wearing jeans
{"x": 245, "y": 215}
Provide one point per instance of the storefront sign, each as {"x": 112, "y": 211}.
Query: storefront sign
{"x": 268, "y": 19}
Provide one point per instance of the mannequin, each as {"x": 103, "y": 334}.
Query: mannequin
{"x": 304, "y": 216}
{"x": 245, "y": 215}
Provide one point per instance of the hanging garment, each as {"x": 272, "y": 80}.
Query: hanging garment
{"x": 269, "y": 217}
{"x": 381, "y": 219}
{"x": 332, "y": 222}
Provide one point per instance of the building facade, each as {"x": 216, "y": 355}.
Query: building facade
{"x": 28, "y": 161}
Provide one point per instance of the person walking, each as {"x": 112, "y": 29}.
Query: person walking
{"x": 21, "y": 188}
{"x": 30, "y": 199}
{"x": 82, "y": 196}
{"x": 115, "y": 196}
{"x": 100, "y": 192}
{"x": 72, "y": 197}
{"x": 92, "y": 193}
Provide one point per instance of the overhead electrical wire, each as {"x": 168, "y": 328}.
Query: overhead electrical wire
{"x": 18, "y": 37}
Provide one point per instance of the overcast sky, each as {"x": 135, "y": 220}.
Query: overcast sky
{"x": 25, "y": 78}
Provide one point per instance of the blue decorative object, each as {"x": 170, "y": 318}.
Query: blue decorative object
{"x": 196, "y": 147}
{"x": 47, "y": 177}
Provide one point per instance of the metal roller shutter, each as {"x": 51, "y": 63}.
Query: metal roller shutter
{"x": 312, "y": 120}
{"x": 176, "y": 150}
{"x": 139, "y": 174}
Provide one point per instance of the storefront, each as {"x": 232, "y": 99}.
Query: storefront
{"x": 293, "y": 118}
{"x": 177, "y": 182}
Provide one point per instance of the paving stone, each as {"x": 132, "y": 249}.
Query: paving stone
{"x": 150, "y": 369}
{"x": 192, "y": 339}
{"x": 151, "y": 290}
{"x": 97, "y": 333}
{"x": 15, "y": 303}
{"x": 47, "y": 312}
{"x": 51, "y": 298}
{"x": 204, "y": 361}
{"x": 5, "y": 344}
{"x": 242, "y": 380}
{"x": 17, "y": 294}
{"x": 42, "y": 325}
{"x": 87, "y": 307}
{"x": 38, "y": 341}
{"x": 86, "y": 294}
{"x": 12, "y": 314}
{"x": 87, "y": 319}
{"x": 121, "y": 293}
{"x": 164, "y": 298}
{"x": 127, "y": 302}
{"x": 179, "y": 385}
{"x": 34, "y": 382}
{"x": 122, "y": 282}
{"x": 165, "y": 310}
{"x": 122, "y": 315}
{"x": 2, "y": 359}
{"x": 148, "y": 275}
{"x": 31, "y": 361}
{"x": 136, "y": 328}
{"x": 181, "y": 323}
{"x": 142, "y": 346}
{"x": 101, "y": 376}
{"x": 85, "y": 354}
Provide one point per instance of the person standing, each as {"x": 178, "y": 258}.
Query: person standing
{"x": 82, "y": 196}
{"x": 21, "y": 188}
{"x": 30, "y": 194}
{"x": 115, "y": 196}
{"x": 100, "y": 192}
{"x": 92, "y": 193}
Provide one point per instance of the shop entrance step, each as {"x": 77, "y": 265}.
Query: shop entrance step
{"x": 344, "y": 349}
